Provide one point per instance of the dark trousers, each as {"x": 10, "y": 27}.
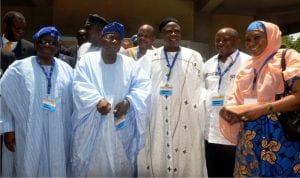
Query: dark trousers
{"x": 219, "y": 159}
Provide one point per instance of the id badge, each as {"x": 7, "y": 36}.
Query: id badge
{"x": 217, "y": 101}
{"x": 120, "y": 122}
{"x": 250, "y": 100}
{"x": 166, "y": 90}
{"x": 48, "y": 105}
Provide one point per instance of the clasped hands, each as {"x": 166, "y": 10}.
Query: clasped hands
{"x": 104, "y": 107}
{"x": 242, "y": 113}
{"x": 230, "y": 116}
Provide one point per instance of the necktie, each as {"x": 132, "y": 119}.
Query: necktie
{"x": 8, "y": 47}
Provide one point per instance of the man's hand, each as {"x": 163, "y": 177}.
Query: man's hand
{"x": 103, "y": 107}
{"x": 121, "y": 108}
{"x": 10, "y": 141}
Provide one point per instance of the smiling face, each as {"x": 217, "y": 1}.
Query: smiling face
{"x": 46, "y": 47}
{"x": 145, "y": 36}
{"x": 171, "y": 33}
{"x": 226, "y": 42}
{"x": 256, "y": 42}
{"x": 16, "y": 30}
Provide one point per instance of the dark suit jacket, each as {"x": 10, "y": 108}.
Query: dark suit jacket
{"x": 68, "y": 59}
{"x": 73, "y": 51}
{"x": 23, "y": 49}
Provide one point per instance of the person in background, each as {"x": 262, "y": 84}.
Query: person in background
{"x": 70, "y": 55}
{"x": 68, "y": 59}
{"x": 262, "y": 149}
{"x": 134, "y": 40}
{"x": 81, "y": 37}
{"x": 145, "y": 39}
{"x": 13, "y": 46}
{"x": 175, "y": 138}
{"x": 93, "y": 26}
{"x": 36, "y": 108}
{"x": 111, "y": 98}
{"x": 219, "y": 75}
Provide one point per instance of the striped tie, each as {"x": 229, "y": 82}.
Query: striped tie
{"x": 8, "y": 47}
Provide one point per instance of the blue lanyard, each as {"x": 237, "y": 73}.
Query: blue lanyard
{"x": 226, "y": 70}
{"x": 256, "y": 74}
{"x": 168, "y": 62}
{"x": 138, "y": 53}
{"x": 48, "y": 76}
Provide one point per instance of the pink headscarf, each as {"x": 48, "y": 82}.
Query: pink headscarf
{"x": 269, "y": 82}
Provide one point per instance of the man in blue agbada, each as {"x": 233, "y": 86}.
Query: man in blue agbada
{"x": 36, "y": 109}
{"x": 110, "y": 96}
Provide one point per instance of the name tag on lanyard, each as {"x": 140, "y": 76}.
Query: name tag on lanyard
{"x": 166, "y": 90}
{"x": 250, "y": 100}
{"x": 217, "y": 101}
{"x": 48, "y": 105}
{"x": 120, "y": 122}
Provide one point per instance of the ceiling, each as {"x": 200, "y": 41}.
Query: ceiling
{"x": 285, "y": 13}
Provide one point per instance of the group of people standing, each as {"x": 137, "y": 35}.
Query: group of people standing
{"x": 149, "y": 111}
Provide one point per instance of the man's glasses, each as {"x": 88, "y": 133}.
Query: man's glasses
{"x": 49, "y": 43}
{"x": 112, "y": 37}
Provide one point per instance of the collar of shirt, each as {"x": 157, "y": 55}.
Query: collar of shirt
{"x": 5, "y": 40}
{"x": 229, "y": 60}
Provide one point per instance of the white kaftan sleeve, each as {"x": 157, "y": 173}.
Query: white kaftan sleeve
{"x": 139, "y": 98}
{"x": 6, "y": 118}
{"x": 85, "y": 95}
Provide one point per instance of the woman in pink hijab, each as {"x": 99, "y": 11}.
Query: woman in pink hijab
{"x": 263, "y": 149}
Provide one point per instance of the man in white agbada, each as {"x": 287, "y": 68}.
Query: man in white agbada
{"x": 175, "y": 138}
{"x": 36, "y": 109}
{"x": 110, "y": 96}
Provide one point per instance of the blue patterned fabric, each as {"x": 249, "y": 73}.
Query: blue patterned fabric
{"x": 256, "y": 26}
{"x": 114, "y": 27}
{"x": 52, "y": 31}
{"x": 265, "y": 152}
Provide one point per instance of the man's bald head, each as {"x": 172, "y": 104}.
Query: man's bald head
{"x": 147, "y": 27}
{"x": 227, "y": 41}
{"x": 146, "y": 36}
{"x": 229, "y": 31}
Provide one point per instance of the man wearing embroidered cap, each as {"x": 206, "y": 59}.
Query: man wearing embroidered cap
{"x": 110, "y": 96}
{"x": 36, "y": 109}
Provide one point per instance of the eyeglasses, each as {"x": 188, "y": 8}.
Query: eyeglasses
{"x": 44, "y": 43}
{"x": 112, "y": 37}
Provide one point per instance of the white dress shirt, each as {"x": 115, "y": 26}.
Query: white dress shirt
{"x": 212, "y": 77}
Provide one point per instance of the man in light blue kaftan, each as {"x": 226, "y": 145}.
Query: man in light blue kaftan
{"x": 104, "y": 143}
{"x": 36, "y": 109}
